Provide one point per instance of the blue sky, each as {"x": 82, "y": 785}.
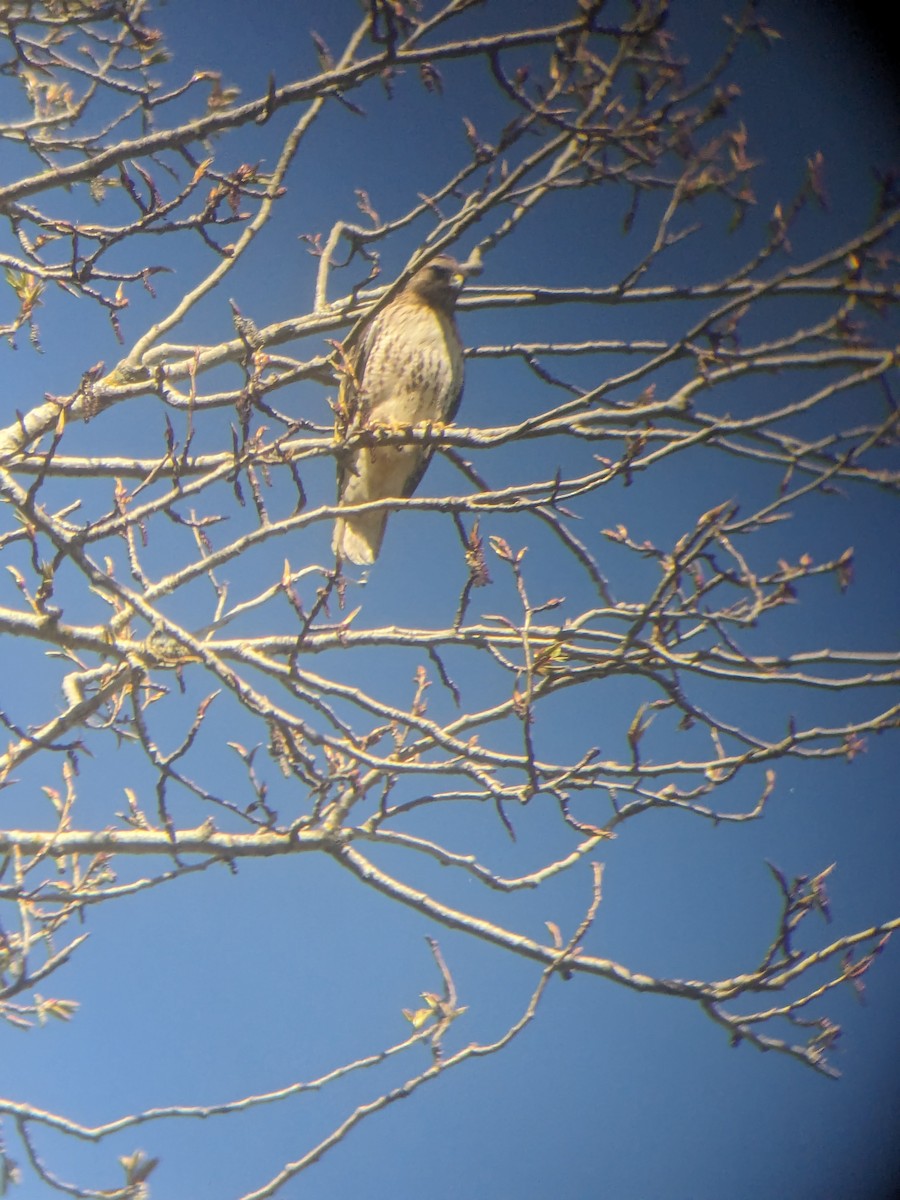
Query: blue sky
{"x": 221, "y": 985}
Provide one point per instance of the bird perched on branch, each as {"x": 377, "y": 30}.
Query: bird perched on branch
{"x": 405, "y": 369}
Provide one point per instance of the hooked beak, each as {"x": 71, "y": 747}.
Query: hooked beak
{"x": 466, "y": 270}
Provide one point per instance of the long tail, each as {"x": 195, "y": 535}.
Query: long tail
{"x": 359, "y": 539}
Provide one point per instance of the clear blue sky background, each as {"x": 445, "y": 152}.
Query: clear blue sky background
{"x": 223, "y": 985}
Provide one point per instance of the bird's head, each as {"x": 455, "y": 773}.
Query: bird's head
{"x": 439, "y": 282}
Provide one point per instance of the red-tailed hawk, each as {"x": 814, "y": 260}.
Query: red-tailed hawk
{"x": 406, "y": 368}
